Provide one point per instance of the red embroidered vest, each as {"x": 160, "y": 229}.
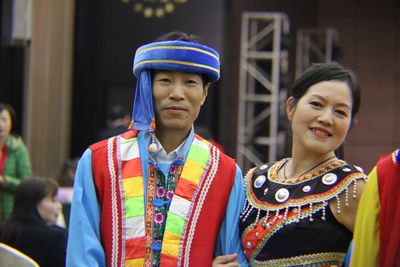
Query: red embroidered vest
{"x": 201, "y": 227}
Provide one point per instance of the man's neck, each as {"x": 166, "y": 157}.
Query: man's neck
{"x": 170, "y": 140}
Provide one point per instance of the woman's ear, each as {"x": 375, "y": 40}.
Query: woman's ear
{"x": 290, "y": 107}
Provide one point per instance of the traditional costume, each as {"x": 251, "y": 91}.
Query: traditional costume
{"x": 289, "y": 222}
{"x": 134, "y": 205}
{"x": 377, "y": 230}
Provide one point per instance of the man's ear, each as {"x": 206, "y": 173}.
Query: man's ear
{"x": 290, "y": 107}
{"x": 205, "y": 92}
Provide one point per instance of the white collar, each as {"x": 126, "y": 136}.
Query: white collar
{"x": 160, "y": 155}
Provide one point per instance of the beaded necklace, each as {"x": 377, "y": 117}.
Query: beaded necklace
{"x": 307, "y": 171}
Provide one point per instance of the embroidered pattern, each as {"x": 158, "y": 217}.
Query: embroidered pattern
{"x": 138, "y": 225}
{"x": 275, "y": 204}
{"x": 210, "y": 177}
{"x": 311, "y": 260}
{"x": 114, "y": 210}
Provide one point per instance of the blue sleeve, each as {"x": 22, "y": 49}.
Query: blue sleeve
{"x": 84, "y": 247}
{"x": 229, "y": 236}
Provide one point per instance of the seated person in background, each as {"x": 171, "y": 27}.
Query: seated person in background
{"x": 118, "y": 119}
{"x": 65, "y": 191}
{"x": 31, "y": 227}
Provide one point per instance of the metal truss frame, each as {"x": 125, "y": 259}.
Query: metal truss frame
{"x": 315, "y": 46}
{"x": 262, "y": 62}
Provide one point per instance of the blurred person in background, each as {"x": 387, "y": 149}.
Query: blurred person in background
{"x": 15, "y": 163}
{"x": 32, "y": 228}
{"x": 118, "y": 119}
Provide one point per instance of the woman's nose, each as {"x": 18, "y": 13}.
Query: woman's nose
{"x": 325, "y": 117}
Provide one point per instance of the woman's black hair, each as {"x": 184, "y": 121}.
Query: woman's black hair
{"x": 10, "y": 109}
{"x": 327, "y": 72}
{"x": 28, "y": 195}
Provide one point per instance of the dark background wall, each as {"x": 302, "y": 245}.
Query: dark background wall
{"x": 369, "y": 44}
{"x": 107, "y": 33}
{"x": 107, "y": 36}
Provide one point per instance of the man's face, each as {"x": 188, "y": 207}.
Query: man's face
{"x": 178, "y": 97}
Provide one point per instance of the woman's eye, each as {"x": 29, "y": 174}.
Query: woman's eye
{"x": 316, "y": 104}
{"x": 341, "y": 113}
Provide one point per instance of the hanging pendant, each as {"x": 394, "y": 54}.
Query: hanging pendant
{"x": 152, "y": 148}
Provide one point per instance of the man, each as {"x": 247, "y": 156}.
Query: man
{"x": 159, "y": 195}
{"x": 118, "y": 119}
{"x": 377, "y": 230}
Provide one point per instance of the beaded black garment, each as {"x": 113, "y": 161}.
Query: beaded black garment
{"x": 290, "y": 223}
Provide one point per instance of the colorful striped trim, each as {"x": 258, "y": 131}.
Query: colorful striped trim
{"x": 312, "y": 260}
{"x": 114, "y": 210}
{"x": 275, "y": 223}
{"x": 197, "y": 162}
{"x": 179, "y": 62}
{"x": 162, "y": 47}
{"x": 202, "y": 197}
{"x": 292, "y": 203}
{"x": 131, "y": 182}
{"x": 133, "y": 201}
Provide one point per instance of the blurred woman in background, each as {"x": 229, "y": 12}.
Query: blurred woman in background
{"x": 15, "y": 164}
{"x": 31, "y": 227}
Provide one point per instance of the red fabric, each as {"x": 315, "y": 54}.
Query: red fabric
{"x": 206, "y": 227}
{"x": 3, "y": 159}
{"x": 102, "y": 182}
{"x": 211, "y": 216}
{"x": 134, "y": 248}
{"x": 389, "y": 216}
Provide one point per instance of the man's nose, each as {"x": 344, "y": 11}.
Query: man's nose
{"x": 177, "y": 91}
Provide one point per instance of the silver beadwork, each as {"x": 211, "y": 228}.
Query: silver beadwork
{"x": 346, "y": 169}
{"x": 259, "y": 181}
{"x": 306, "y": 188}
{"x": 282, "y": 195}
{"x": 249, "y": 245}
{"x": 263, "y": 167}
{"x": 329, "y": 179}
{"x": 265, "y": 191}
{"x": 338, "y": 204}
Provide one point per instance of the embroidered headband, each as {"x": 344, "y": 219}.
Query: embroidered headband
{"x": 167, "y": 55}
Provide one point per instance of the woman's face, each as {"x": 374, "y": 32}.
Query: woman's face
{"x": 49, "y": 209}
{"x": 321, "y": 118}
{"x": 5, "y": 124}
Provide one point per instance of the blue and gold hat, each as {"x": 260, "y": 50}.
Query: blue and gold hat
{"x": 167, "y": 55}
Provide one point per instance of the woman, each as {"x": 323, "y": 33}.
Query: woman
{"x": 15, "y": 164}
{"x": 301, "y": 210}
{"x": 31, "y": 227}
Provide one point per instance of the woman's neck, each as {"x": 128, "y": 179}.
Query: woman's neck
{"x": 2, "y": 142}
{"x": 301, "y": 163}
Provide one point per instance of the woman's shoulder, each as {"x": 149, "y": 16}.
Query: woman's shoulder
{"x": 15, "y": 142}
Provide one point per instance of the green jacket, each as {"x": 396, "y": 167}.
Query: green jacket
{"x": 17, "y": 167}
